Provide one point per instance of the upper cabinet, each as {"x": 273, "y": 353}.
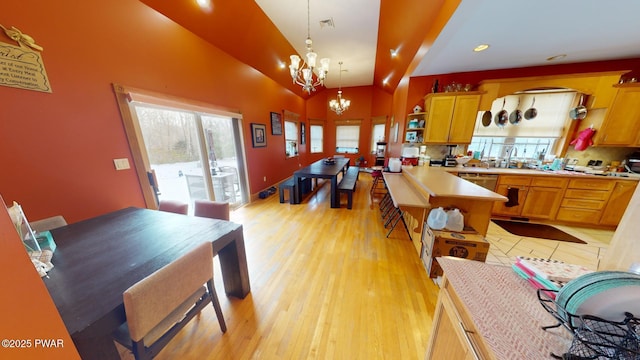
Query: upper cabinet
{"x": 450, "y": 117}
{"x": 622, "y": 121}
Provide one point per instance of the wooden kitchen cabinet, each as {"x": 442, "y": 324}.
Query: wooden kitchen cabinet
{"x": 618, "y": 202}
{"x": 622, "y": 121}
{"x": 506, "y": 182}
{"x": 451, "y": 117}
{"x": 544, "y": 197}
{"x": 584, "y": 200}
{"x": 454, "y": 335}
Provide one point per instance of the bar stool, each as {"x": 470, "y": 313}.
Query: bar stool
{"x": 377, "y": 186}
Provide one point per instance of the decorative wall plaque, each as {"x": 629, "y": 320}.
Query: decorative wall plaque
{"x": 20, "y": 66}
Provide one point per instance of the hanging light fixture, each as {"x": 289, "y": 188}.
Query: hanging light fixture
{"x": 339, "y": 105}
{"x": 303, "y": 76}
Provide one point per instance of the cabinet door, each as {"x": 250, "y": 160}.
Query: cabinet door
{"x": 618, "y": 202}
{"x": 463, "y": 120}
{"x": 499, "y": 208}
{"x": 542, "y": 202}
{"x": 449, "y": 337}
{"x": 622, "y": 123}
{"x": 440, "y": 111}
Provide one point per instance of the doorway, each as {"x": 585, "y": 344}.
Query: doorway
{"x": 187, "y": 153}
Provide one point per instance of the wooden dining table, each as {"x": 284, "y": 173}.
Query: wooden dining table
{"x": 97, "y": 259}
{"x": 322, "y": 170}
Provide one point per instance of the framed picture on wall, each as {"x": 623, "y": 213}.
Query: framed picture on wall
{"x": 259, "y": 135}
{"x": 303, "y": 133}
{"x": 276, "y": 123}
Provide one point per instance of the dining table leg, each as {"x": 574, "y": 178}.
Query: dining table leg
{"x": 335, "y": 200}
{"x": 297, "y": 189}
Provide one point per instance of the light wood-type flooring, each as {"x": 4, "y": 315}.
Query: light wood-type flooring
{"x": 328, "y": 284}
{"x": 325, "y": 284}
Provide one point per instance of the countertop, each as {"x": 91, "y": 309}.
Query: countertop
{"x": 504, "y": 171}
{"x": 438, "y": 182}
{"x": 505, "y": 310}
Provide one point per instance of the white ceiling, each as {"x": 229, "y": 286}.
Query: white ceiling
{"x": 521, "y": 33}
{"x": 352, "y": 40}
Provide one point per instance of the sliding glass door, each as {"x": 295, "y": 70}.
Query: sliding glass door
{"x": 193, "y": 155}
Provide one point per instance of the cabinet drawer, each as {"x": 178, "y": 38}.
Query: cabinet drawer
{"x": 547, "y": 181}
{"x": 514, "y": 180}
{"x": 583, "y": 204}
{"x": 592, "y": 184}
{"x": 586, "y": 194}
{"x": 578, "y": 215}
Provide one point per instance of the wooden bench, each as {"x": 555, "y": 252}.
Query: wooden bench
{"x": 348, "y": 184}
{"x": 287, "y": 185}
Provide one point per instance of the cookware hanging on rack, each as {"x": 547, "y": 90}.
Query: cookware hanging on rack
{"x": 516, "y": 115}
{"x": 486, "y": 118}
{"x": 502, "y": 117}
{"x": 579, "y": 112}
{"x": 531, "y": 112}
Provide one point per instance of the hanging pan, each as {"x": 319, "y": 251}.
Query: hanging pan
{"x": 531, "y": 112}
{"x": 502, "y": 117}
{"x": 516, "y": 115}
{"x": 580, "y": 112}
{"x": 486, "y": 118}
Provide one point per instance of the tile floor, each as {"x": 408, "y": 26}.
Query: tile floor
{"x": 506, "y": 246}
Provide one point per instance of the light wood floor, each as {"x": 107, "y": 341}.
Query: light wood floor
{"x": 325, "y": 284}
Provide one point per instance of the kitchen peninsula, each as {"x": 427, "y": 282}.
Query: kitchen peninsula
{"x": 488, "y": 312}
{"x": 442, "y": 189}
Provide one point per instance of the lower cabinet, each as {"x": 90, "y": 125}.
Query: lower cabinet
{"x": 618, "y": 201}
{"x": 580, "y": 201}
{"x": 544, "y": 197}
{"x": 514, "y": 187}
{"x": 584, "y": 200}
{"x": 454, "y": 335}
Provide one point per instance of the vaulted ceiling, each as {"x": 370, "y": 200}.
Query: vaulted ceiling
{"x": 430, "y": 36}
{"x": 242, "y": 29}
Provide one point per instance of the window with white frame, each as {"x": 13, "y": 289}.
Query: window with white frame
{"x": 378, "y": 130}
{"x": 316, "y": 133}
{"x": 348, "y": 138}
{"x": 291, "y": 138}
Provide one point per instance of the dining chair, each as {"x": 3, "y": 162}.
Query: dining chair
{"x": 48, "y": 223}
{"x": 160, "y": 305}
{"x": 211, "y": 209}
{"x": 174, "y": 206}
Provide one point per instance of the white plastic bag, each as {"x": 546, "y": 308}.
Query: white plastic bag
{"x": 437, "y": 219}
{"x": 455, "y": 220}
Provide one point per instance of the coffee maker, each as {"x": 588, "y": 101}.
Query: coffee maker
{"x": 450, "y": 159}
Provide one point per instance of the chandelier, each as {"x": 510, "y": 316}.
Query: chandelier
{"x": 303, "y": 76}
{"x": 339, "y": 105}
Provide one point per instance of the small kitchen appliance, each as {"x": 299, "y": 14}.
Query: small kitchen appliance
{"x": 633, "y": 162}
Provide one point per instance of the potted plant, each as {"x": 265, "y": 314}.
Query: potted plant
{"x": 359, "y": 160}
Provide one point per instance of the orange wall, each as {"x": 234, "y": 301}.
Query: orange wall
{"x": 57, "y": 149}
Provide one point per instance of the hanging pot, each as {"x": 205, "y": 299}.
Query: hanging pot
{"x": 502, "y": 117}
{"x": 531, "y": 112}
{"x": 579, "y": 112}
{"x": 486, "y": 118}
{"x": 516, "y": 115}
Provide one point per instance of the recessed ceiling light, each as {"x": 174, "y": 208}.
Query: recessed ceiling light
{"x": 557, "y": 57}
{"x": 394, "y": 52}
{"x": 481, "y": 47}
{"x": 204, "y": 5}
